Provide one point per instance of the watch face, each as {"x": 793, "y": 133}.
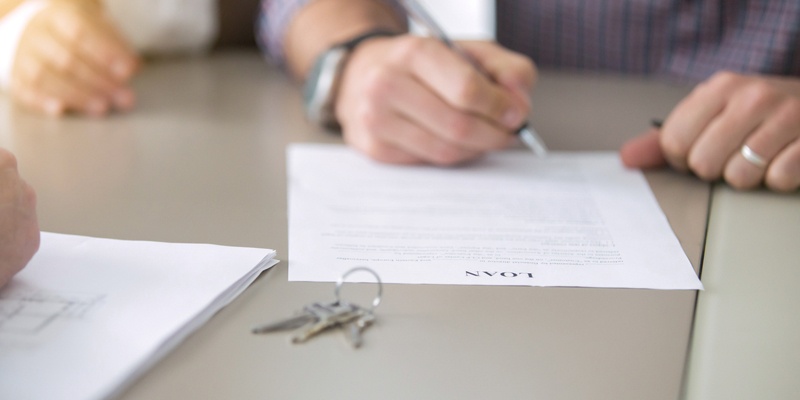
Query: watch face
{"x": 319, "y": 91}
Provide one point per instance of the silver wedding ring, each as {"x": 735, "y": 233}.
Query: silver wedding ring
{"x": 753, "y": 157}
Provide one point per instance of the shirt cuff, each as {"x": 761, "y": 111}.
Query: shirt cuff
{"x": 11, "y": 28}
{"x": 274, "y": 19}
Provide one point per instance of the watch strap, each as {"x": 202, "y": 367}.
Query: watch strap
{"x": 352, "y": 43}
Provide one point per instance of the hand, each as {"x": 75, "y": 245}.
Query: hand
{"x": 706, "y": 131}
{"x": 71, "y": 58}
{"x": 19, "y": 228}
{"x": 413, "y": 100}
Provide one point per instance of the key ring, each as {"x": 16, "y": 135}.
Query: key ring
{"x": 340, "y": 282}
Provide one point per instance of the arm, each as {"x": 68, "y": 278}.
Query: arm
{"x": 706, "y": 131}
{"x": 407, "y": 99}
{"x": 19, "y": 228}
{"x": 323, "y": 23}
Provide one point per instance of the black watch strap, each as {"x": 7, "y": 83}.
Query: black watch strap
{"x": 378, "y": 32}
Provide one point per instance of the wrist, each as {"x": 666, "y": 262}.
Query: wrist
{"x": 321, "y": 24}
{"x": 324, "y": 79}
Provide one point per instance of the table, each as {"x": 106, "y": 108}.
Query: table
{"x": 201, "y": 159}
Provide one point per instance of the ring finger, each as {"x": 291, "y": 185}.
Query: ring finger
{"x": 743, "y": 169}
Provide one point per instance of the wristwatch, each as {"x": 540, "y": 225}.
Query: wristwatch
{"x": 322, "y": 83}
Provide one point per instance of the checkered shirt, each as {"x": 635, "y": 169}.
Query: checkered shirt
{"x": 684, "y": 40}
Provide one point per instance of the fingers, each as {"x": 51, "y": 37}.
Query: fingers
{"x": 20, "y": 228}
{"x": 459, "y": 83}
{"x": 775, "y": 142}
{"x": 409, "y": 144}
{"x": 707, "y": 131}
{"x": 15, "y": 194}
{"x": 8, "y": 163}
{"x": 71, "y": 59}
{"x": 461, "y": 130}
{"x": 412, "y": 100}
{"x": 784, "y": 172}
{"x": 402, "y": 122}
{"x": 54, "y": 90}
{"x": 691, "y": 117}
{"x": 747, "y": 107}
{"x": 93, "y": 39}
{"x": 643, "y": 151}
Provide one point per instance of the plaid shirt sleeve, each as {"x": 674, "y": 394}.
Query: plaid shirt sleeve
{"x": 273, "y": 20}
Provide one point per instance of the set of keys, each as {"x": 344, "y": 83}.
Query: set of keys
{"x": 320, "y": 317}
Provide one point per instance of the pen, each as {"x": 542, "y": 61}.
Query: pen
{"x": 415, "y": 10}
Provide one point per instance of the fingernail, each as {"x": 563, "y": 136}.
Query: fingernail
{"x": 52, "y": 107}
{"x": 97, "y": 107}
{"x": 511, "y": 118}
{"x": 120, "y": 69}
{"x": 123, "y": 99}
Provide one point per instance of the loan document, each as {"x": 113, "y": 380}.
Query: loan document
{"x": 570, "y": 219}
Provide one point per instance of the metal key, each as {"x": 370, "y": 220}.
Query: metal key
{"x": 342, "y": 313}
{"x": 320, "y": 317}
{"x": 353, "y": 330}
{"x": 311, "y": 314}
{"x": 290, "y": 323}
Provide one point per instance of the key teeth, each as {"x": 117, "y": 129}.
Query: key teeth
{"x": 353, "y": 335}
{"x": 297, "y": 340}
{"x": 323, "y": 317}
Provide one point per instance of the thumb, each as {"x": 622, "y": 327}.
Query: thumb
{"x": 643, "y": 151}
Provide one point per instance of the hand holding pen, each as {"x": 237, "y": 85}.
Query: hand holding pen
{"x": 526, "y": 133}
{"x": 409, "y": 99}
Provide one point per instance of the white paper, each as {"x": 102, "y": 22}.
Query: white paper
{"x": 461, "y": 19}
{"x": 570, "y": 219}
{"x": 88, "y": 315}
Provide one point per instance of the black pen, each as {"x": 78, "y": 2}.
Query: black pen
{"x": 414, "y": 10}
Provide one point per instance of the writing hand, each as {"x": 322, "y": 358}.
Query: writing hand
{"x": 71, "y": 58}
{"x": 705, "y": 133}
{"x": 413, "y": 100}
{"x": 19, "y": 227}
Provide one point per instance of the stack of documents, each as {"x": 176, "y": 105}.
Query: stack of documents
{"x": 568, "y": 219}
{"x": 87, "y": 316}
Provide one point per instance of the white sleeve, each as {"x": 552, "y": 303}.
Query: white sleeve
{"x": 11, "y": 28}
{"x": 165, "y": 27}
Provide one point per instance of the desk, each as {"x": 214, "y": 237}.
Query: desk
{"x": 202, "y": 160}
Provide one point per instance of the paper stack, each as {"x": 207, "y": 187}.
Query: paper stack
{"x": 87, "y": 316}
